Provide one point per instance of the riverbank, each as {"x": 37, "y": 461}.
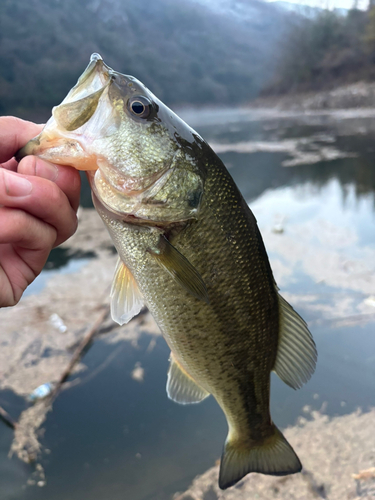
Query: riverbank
{"x": 36, "y": 350}
{"x": 38, "y": 335}
{"x": 356, "y": 95}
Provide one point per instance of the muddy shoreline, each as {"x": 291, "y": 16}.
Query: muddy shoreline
{"x": 353, "y": 96}
{"x": 338, "y": 456}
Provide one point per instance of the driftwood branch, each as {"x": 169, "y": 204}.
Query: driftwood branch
{"x": 4, "y": 415}
{"x": 90, "y": 334}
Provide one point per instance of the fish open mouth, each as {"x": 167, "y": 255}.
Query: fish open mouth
{"x": 59, "y": 142}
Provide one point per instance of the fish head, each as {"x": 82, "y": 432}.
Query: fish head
{"x": 142, "y": 160}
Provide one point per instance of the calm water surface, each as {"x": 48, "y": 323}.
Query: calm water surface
{"x": 114, "y": 438}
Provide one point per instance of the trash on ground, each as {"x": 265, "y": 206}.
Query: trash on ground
{"x": 41, "y": 392}
{"x": 58, "y": 323}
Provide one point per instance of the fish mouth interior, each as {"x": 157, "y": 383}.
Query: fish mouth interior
{"x": 96, "y": 76}
{"x": 55, "y": 143}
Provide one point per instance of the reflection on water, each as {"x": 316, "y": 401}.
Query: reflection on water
{"x": 59, "y": 257}
{"x": 115, "y": 437}
{"x": 60, "y": 260}
{"x": 324, "y": 263}
{"x": 38, "y": 284}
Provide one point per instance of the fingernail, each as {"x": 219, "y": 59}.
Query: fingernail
{"x": 16, "y": 185}
{"x": 46, "y": 170}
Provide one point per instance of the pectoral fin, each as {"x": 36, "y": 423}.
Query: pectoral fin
{"x": 181, "y": 388}
{"x": 126, "y": 299}
{"x": 296, "y": 354}
{"x": 170, "y": 259}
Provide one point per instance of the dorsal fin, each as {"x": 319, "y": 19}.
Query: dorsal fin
{"x": 181, "y": 387}
{"x": 126, "y": 299}
{"x": 296, "y": 353}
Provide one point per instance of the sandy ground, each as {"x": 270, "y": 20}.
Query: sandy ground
{"x": 338, "y": 457}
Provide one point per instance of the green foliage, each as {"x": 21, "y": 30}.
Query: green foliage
{"x": 324, "y": 51}
{"x": 182, "y": 51}
{"x": 369, "y": 37}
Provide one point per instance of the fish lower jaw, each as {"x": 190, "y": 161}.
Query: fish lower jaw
{"x": 56, "y": 148}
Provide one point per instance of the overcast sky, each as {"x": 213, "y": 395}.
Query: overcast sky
{"x": 344, "y": 4}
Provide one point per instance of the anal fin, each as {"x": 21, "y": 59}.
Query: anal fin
{"x": 181, "y": 387}
{"x": 126, "y": 299}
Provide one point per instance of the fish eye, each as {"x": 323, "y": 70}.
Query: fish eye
{"x": 140, "y": 106}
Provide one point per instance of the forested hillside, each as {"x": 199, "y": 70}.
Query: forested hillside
{"x": 325, "y": 51}
{"x": 184, "y": 51}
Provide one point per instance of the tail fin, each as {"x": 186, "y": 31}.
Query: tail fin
{"x": 275, "y": 456}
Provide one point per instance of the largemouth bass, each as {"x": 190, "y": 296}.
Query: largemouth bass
{"x": 190, "y": 249}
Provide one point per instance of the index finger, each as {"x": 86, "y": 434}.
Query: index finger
{"x": 14, "y": 134}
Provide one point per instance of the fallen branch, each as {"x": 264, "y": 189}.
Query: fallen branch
{"x": 95, "y": 371}
{"x": 90, "y": 334}
{"x": 4, "y": 415}
{"x": 365, "y": 474}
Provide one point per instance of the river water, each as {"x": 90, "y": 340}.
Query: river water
{"x": 310, "y": 181}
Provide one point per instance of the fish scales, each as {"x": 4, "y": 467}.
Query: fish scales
{"x": 191, "y": 250}
{"x": 235, "y": 330}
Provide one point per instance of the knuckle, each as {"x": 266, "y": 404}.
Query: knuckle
{"x": 56, "y": 196}
{"x": 67, "y": 228}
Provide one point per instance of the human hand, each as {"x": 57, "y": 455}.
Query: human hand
{"x": 38, "y": 205}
